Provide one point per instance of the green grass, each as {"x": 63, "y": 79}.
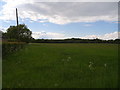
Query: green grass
{"x": 62, "y": 66}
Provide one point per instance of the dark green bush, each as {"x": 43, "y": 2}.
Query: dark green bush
{"x": 10, "y": 47}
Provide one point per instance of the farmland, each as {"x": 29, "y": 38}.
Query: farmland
{"x": 43, "y": 65}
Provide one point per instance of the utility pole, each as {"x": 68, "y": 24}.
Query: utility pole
{"x": 17, "y": 16}
{"x": 17, "y": 23}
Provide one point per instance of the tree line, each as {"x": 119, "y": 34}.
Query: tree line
{"x": 75, "y": 40}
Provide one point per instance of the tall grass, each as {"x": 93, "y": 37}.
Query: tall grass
{"x": 62, "y": 66}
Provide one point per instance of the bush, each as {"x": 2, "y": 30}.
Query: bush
{"x": 10, "y": 47}
{"x": 19, "y": 33}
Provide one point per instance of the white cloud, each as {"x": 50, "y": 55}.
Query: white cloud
{"x": 8, "y": 11}
{"x": 107, "y": 36}
{"x": 60, "y": 12}
{"x": 47, "y": 35}
{"x": 45, "y": 24}
{"x": 88, "y": 25}
{"x": 52, "y": 35}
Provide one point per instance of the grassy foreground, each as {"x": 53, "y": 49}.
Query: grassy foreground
{"x": 62, "y": 66}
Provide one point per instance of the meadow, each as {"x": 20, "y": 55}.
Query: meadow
{"x": 70, "y": 65}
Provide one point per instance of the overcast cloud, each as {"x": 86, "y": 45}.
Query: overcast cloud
{"x": 60, "y": 12}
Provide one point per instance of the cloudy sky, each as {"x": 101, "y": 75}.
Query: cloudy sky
{"x": 59, "y": 20}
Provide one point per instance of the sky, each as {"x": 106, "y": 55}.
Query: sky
{"x": 87, "y": 19}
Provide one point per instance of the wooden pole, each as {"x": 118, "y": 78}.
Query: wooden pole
{"x": 17, "y": 23}
{"x": 17, "y": 16}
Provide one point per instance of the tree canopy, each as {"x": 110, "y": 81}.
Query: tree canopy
{"x": 20, "y": 33}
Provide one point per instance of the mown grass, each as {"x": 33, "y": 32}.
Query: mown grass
{"x": 46, "y": 65}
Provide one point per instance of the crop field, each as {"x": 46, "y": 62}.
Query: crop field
{"x": 53, "y": 65}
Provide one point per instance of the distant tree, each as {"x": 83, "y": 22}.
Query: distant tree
{"x": 117, "y": 41}
{"x": 20, "y": 33}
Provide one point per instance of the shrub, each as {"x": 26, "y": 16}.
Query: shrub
{"x": 10, "y": 47}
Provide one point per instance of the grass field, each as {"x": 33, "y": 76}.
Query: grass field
{"x": 46, "y": 65}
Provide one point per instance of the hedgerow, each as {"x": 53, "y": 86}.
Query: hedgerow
{"x": 11, "y": 47}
